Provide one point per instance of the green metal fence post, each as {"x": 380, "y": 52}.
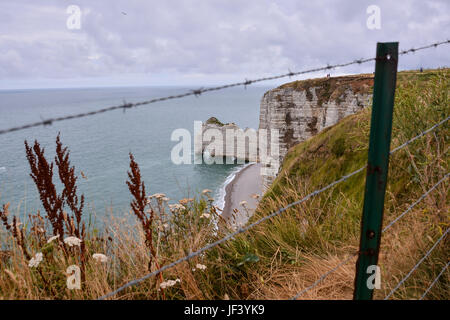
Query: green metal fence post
{"x": 377, "y": 166}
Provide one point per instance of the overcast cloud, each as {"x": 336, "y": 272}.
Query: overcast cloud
{"x": 144, "y": 42}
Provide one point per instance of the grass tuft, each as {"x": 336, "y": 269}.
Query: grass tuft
{"x": 274, "y": 260}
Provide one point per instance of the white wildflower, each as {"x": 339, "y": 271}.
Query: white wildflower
{"x": 165, "y": 199}
{"x": 206, "y": 191}
{"x": 169, "y": 283}
{"x": 243, "y": 203}
{"x": 176, "y": 207}
{"x": 100, "y": 257}
{"x": 72, "y": 241}
{"x": 34, "y": 262}
{"x": 200, "y": 266}
{"x": 205, "y": 215}
{"x": 53, "y": 238}
{"x": 158, "y": 195}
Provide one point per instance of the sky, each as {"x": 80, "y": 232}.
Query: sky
{"x": 193, "y": 43}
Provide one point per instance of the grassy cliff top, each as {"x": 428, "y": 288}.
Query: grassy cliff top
{"x": 277, "y": 258}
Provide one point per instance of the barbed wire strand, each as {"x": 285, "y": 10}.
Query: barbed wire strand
{"x": 198, "y": 92}
{"x": 417, "y": 265}
{"x": 434, "y": 281}
{"x": 415, "y": 203}
{"x": 241, "y": 230}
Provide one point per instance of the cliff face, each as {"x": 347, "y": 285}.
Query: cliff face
{"x": 301, "y": 109}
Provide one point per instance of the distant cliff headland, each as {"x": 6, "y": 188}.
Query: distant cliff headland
{"x": 175, "y": 250}
{"x": 297, "y": 111}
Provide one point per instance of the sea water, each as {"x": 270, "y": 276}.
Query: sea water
{"x": 99, "y": 145}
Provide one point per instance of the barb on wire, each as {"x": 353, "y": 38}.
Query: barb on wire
{"x": 417, "y": 265}
{"x": 231, "y": 235}
{"x": 198, "y": 92}
{"x": 434, "y": 281}
{"x": 415, "y": 203}
{"x": 126, "y": 106}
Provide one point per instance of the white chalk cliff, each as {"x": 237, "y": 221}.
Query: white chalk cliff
{"x": 301, "y": 109}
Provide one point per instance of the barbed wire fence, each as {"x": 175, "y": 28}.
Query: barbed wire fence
{"x": 278, "y": 212}
{"x": 200, "y": 91}
{"x": 435, "y": 280}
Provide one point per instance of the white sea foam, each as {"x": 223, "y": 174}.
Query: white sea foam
{"x": 219, "y": 199}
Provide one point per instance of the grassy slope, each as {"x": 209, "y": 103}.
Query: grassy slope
{"x": 295, "y": 248}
